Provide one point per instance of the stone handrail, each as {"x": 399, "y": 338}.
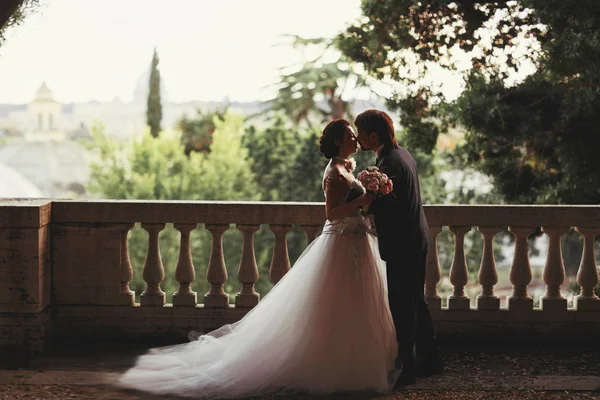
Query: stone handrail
{"x": 82, "y": 246}
{"x": 489, "y": 219}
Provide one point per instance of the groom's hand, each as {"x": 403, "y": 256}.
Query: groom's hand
{"x": 371, "y": 206}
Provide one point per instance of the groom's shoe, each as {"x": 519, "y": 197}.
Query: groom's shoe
{"x": 407, "y": 374}
{"x": 405, "y": 380}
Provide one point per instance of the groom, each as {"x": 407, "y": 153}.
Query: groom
{"x": 403, "y": 236}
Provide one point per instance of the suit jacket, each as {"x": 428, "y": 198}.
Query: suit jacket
{"x": 400, "y": 221}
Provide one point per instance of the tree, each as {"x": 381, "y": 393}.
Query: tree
{"x": 316, "y": 91}
{"x": 157, "y": 169}
{"x": 13, "y": 12}
{"x": 534, "y": 136}
{"x": 154, "y": 110}
{"x": 403, "y": 40}
{"x": 306, "y": 171}
{"x": 408, "y": 42}
{"x": 197, "y": 133}
{"x": 272, "y": 152}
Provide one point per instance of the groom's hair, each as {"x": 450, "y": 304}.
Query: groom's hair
{"x": 333, "y": 131}
{"x": 378, "y": 122}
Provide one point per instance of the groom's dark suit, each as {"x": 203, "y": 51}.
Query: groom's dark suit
{"x": 404, "y": 237}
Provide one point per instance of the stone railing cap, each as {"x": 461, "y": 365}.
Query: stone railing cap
{"x": 25, "y": 213}
{"x": 37, "y": 213}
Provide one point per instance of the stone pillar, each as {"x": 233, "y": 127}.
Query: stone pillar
{"x": 154, "y": 272}
{"x": 185, "y": 273}
{"x": 127, "y": 296}
{"x": 587, "y": 276}
{"x": 280, "y": 263}
{"x": 432, "y": 272}
{"x": 248, "y": 270}
{"x": 90, "y": 262}
{"x": 554, "y": 272}
{"x": 488, "y": 276}
{"x": 25, "y": 272}
{"x": 311, "y": 232}
{"x": 217, "y": 273}
{"x": 520, "y": 271}
{"x": 459, "y": 274}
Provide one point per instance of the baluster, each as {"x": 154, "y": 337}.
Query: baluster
{"x": 127, "y": 296}
{"x": 432, "y": 272}
{"x": 488, "y": 276}
{"x": 247, "y": 271}
{"x": 217, "y": 273}
{"x": 459, "y": 274}
{"x": 185, "y": 273}
{"x": 280, "y": 263}
{"x": 154, "y": 272}
{"x": 520, "y": 271}
{"x": 587, "y": 276}
{"x": 311, "y": 232}
{"x": 554, "y": 272}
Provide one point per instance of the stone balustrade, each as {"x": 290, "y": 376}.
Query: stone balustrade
{"x": 83, "y": 249}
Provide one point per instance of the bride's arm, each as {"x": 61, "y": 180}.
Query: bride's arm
{"x": 333, "y": 195}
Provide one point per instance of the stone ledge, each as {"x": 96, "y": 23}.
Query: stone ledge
{"x": 209, "y": 212}
{"x": 505, "y": 315}
{"x": 25, "y": 213}
{"x": 25, "y": 333}
{"x": 144, "y": 322}
{"x": 176, "y": 322}
{"x": 117, "y": 211}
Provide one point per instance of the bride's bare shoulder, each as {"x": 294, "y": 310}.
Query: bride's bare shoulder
{"x": 332, "y": 177}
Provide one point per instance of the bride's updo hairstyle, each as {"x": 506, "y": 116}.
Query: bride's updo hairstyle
{"x": 333, "y": 132}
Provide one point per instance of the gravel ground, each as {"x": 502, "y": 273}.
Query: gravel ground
{"x": 68, "y": 392}
{"x": 484, "y": 373}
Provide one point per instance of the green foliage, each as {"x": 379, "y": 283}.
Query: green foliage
{"x": 157, "y": 169}
{"x": 405, "y": 39}
{"x": 154, "y": 111}
{"x": 272, "y": 152}
{"x": 501, "y": 138}
{"x": 197, "y": 133}
{"x": 312, "y": 93}
{"x": 535, "y": 138}
{"x": 306, "y": 173}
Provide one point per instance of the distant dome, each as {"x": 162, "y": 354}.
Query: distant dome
{"x": 15, "y": 185}
{"x": 44, "y": 93}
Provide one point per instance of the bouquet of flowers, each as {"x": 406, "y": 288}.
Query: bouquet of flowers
{"x": 375, "y": 181}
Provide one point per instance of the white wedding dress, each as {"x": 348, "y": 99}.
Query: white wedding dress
{"x": 325, "y": 327}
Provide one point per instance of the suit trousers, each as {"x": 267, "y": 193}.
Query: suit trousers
{"x": 410, "y": 311}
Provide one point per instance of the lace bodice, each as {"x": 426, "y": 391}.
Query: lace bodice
{"x": 353, "y": 185}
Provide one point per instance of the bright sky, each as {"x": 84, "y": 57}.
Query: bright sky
{"x": 209, "y": 49}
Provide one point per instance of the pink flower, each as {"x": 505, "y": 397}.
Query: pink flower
{"x": 375, "y": 181}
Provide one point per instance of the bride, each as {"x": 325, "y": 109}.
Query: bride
{"x": 325, "y": 327}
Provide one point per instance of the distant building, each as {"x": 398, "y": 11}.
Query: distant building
{"x": 41, "y": 140}
{"x": 44, "y": 161}
{"x": 45, "y": 115}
